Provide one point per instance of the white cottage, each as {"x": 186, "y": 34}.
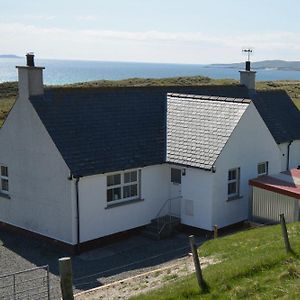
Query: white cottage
{"x": 79, "y": 165}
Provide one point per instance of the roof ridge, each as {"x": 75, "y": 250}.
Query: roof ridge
{"x": 103, "y": 87}
{"x": 212, "y": 98}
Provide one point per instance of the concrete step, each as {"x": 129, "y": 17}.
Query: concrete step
{"x": 162, "y": 227}
{"x": 151, "y": 234}
{"x": 153, "y": 227}
{"x": 166, "y": 219}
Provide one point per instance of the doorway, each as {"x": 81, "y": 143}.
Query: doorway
{"x": 175, "y": 191}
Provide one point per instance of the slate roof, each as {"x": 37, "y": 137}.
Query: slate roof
{"x": 198, "y": 127}
{"x": 279, "y": 113}
{"x": 99, "y": 130}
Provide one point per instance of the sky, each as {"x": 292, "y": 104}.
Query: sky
{"x": 165, "y": 31}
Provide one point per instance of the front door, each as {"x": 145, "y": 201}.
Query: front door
{"x": 175, "y": 191}
{"x": 175, "y": 185}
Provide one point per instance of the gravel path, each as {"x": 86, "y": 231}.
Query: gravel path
{"x": 123, "y": 259}
{"x": 142, "y": 283}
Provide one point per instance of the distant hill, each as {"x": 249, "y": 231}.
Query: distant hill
{"x": 264, "y": 64}
{"x": 9, "y": 56}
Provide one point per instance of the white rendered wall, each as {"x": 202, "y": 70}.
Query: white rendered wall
{"x": 197, "y": 193}
{"x": 96, "y": 220}
{"x": 38, "y": 186}
{"x": 294, "y": 159}
{"x": 283, "y": 150}
{"x": 250, "y": 143}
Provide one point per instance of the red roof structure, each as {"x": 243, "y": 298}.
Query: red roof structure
{"x": 285, "y": 183}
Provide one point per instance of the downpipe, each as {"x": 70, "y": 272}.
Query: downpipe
{"x": 288, "y": 156}
{"x": 77, "y": 213}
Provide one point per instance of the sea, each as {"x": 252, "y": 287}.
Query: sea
{"x": 71, "y": 71}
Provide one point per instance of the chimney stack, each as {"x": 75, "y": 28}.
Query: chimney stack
{"x": 30, "y": 59}
{"x": 247, "y": 76}
{"x": 30, "y": 78}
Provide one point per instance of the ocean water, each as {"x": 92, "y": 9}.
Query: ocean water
{"x": 71, "y": 71}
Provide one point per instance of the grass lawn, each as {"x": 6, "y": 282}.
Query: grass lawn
{"x": 8, "y": 93}
{"x": 253, "y": 265}
{"x": 5, "y": 106}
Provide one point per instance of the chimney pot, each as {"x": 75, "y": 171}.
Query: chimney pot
{"x": 248, "y": 65}
{"x": 30, "y": 59}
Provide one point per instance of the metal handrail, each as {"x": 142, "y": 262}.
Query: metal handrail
{"x": 162, "y": 228}
{"x": 158, "y": 216}
{"x": 165, "y": 203}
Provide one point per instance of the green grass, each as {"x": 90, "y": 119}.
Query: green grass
{"x": 5, "y": 106}
{"x": 292, "y": 87}
{"x": 192, "y": 80}
{"x": 170, "y": 277}
{"x": 8, "y": 93}
{"x": 253, "y": 265}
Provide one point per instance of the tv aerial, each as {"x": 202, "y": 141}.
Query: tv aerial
{"x": 248, "y": 51}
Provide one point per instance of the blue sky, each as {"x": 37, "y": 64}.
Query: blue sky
{"x": 175, "y": 31}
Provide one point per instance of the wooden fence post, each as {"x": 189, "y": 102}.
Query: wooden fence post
{"x": 215, "y": 231}
{"x": 66, "y": 278}
{"x": 202, "y": 284}
{"x": 285, "y": 234}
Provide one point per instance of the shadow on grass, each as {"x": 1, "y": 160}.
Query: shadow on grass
{"x": 205, "y": 289}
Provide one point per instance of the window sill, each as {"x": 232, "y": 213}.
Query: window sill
{"x": 123, "y": 203}
{"x": 237, "y": 197}
{"x": 3, "y": 195}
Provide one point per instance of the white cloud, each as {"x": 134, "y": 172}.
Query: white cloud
{"x": 181, "y": 47}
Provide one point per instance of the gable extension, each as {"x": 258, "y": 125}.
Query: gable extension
{"x": 198, "y": 127}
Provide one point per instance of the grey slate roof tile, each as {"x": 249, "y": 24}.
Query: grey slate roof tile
{"x": 209, "y": 122}
{"x": 279, "y": 113}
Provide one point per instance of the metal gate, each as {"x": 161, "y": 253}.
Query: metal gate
{"x": 31, "y": 284}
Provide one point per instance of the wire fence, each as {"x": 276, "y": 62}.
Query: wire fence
{"x": 93, "y": 280}
{"x": 98, "y": 279}
{"x": 36, "y": 283}
{"x": 28, "y": 284}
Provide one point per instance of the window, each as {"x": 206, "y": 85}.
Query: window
{"x": 4, "y": 180}
{"x": 176, "y": 176}
{"x": 233, "y": 183}
{"x": 262, "y": 168}
{"x": 123, "y": 186}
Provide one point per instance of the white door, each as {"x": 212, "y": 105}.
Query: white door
{"x": 175, "y": 191}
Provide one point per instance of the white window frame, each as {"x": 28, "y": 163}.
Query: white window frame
{"x": 236, "y": 194}
{"x": 266, "y": 165}
{"x": 4, "y": 177}
{"x": 123, "y": 184}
